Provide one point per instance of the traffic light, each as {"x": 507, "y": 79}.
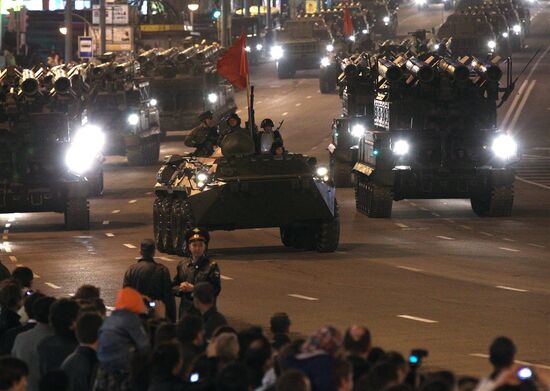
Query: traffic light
{"x": 23, "y": 20}
{"x": 11, "y": 20}
{"x": 216, "y": 13}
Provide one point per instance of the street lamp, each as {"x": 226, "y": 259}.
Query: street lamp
{"x": 63, "y": 30}
{"x": 193, "y": 7}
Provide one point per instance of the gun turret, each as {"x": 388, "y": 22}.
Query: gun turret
{"x": 28, "y": 84}
{"x": 61, "y": 83}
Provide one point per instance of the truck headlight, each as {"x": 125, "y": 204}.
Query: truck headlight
{"x": 357, "y": 130}
{"x": 277, "y": 52}
{"x": 352, "y": 38}
{"x": 386, "y": 19}
{"x": 259, "y": 46}
{"x": 322, "y": 173}
{"x": 330, "y": 48}
{"x": 365, "y": 31}
{"x": 212, "y": 98}
{"x": 133, "y": 119}
{"x": 492, "y": 45}
{"x": 201, "y": 179}
{"x": 247, "y": 49}
{"x": 505, "y": 34}
{"x": 401, "y": 147}
{"x": 517, "y": 28}
{"x": 153, "y": 102}
{"x": 325, "y": 62}
{"x": 86, "y": 144}
{"x": 504, "y": 147}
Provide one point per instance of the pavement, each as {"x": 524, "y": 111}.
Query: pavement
{"x": 433, "y": 276}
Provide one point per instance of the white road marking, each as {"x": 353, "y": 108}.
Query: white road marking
{"x": 449, "y": 220}
{"x": 514, "y": 103}
{"x": 411, "y": 269}
{"x": 110, "y": 234}
{"x": 424, "y": 209}
{"x": 509, "y": 288}
{"x": 35, "y": 275}
{"x": 533, "y": 183}
{"x": 225, "y": 278}
{"x": 486, "y": 234}
{"x": 412, "y": 203}
{"x": 285, "y": 113}
{"x": 115, "y": 211}
{"x": 149, "y": 193}
{"x": 258, "y": 102}
{"x": 308, "y": 97}
{"x": 509, "y": 249}
{"x": 52, "y": 285}
{"x": 13, "y": 258}
{"x": 423, "y": 320}
{"x": 481, "y": 355}
{"x": 464, "y": 226}
{"x": 508, "y": 240}
{"x": 298, "y": 104}
{"x": 400, "y": 225}
{"x": 106, "y": 222}
{"x": 7, "y": 249}
{"x": 132, "y": 201}
{"x": 436, "y": 214}
{"x": 314, "y": 148}
{"x": 303, "y": 297}
{"x": 444, "y": 237}
{"x": 129, "y": 245}
{"x": 166, "y": 259}
{"x": 535, "y": 245}
{"x": 521, "y": 105}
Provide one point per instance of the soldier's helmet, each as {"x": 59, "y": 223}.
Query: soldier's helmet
{"x": 235, "y": 116}
{"x": 267, "y": 122}
{"x": 206, "y": 115}
{"x": 197, "y": 234}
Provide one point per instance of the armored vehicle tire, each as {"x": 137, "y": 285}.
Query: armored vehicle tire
{"x": 341, "y": 174}
{"x": 161, "y": 224}
{"x": 497, "y": 202}
{"x": 372, "y": 199}
{"x": 166, "y": 237}
{"x": 146, "y": 153}
{"x": 287, "y": 236}
{"x": 285, "y": 70}
{"x": 96, "y": 185}
{"x": 327, "y": 236}
{"x": 77, "y": 214}
{"x": 181, "y": 222}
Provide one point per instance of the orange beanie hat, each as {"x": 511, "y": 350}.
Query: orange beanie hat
{"x": 131, "y": 300}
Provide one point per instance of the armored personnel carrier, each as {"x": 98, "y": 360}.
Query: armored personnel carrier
{"x": 241, "y": 190}
{"x": 469, "y": 34}
{"x": 184, "y": 83}
{"x": 300, "y": 45}
{"x": 435, "y": 135}
{"x": 43, "y": 163}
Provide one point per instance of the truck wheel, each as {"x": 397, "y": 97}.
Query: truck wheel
{"x": 497, "y": 202}
{"x": 284, "y": 70}
{"x": 157, "y": 223}
{"x": 182, "y": 221}
{"x": 77, "y": 214}
{"x": 327, "y": 236}
{"x": 371, "y": 199}
{"x": 166, "y": 232}
{"x": 287, "y": 236}
{"x": 341, "y": 173}
{"x": 96, "y": 185}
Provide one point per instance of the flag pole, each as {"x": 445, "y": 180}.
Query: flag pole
{"x": 250, "y": 101}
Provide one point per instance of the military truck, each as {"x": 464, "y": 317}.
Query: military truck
{"x": 424, "y": 4}
{"x": 184, "y": 83}
{"x": 300, "y": 45}
{"x": 435, "y": 135}
{"x": 384, "y": 22}
{"x": 469, "y": 34}
{"x": 123, "y": 107}
{"x": 43, "y": 164}
{"x": 239, "y": 189}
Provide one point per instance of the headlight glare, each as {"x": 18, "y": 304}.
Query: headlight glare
{"x": 352, "y": 38}
{"x": 153, "y": 102}
{"x": 277, "y": 52}
{"x": 504, "y": 147}
{"x": 330, "y": 48}
{"x": 202, "y": 177}
{"x": 517, "y": 28}
{"x": 492, "y": 44}
{"x": 259, "y": 46}
{"x": 133, "y": 119}
{"x": 212, "y": 98}
{"x": 325, "y": 62}
{"x": 321, "y": 171}
{"x": 357, "y": 130}
{"x": 86, "y": 144}
{"x": 401, "y": 147}
{"x": 386, "y": 19}
{"x": 247, "y": 49}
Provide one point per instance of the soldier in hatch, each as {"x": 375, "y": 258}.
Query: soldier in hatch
{"x": 205, "y": 136}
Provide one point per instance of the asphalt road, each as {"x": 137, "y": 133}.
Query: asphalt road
{"x": 433, "y": 276}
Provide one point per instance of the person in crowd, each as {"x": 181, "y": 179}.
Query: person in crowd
{"x": 280, "y": 323}
{"x": 53, "y": 350}
{"x": 342, "y": 375}
{"x": 54, "y": 380}
{"x": 190, "y": 334}
{"x": 232, "y": 378}
{"x": 81, "y": 365}
{"x": 166, "y": 367}
{"x": 382, "y": 376}
{"x": 225, "y": 347}
{"x": 293, "y": 380}
{"x": 257, "y": 358}
{"x": 10, "y": 302}
{"x": 204, "y": 138}
{"x": 151, "y": 278}
{"x": 198, "y": 268}
{"x": 165, "y": 332}
{"x": 277, "y": 149}
{"x": 4, "y": 272}
{"x": 24, "y": 276}
{"x": 502, "y": 354}
{"x": 87, "y": 292}
{"x": 7, "y": 340}
{"x": 204, "y": 299}
{"x": 267, "y": 136}
{"x": 121, "y": 337}
{"x": 357, "y": 345}
{"x": 402, "y": 366}
{"x": 13, "y": 374}
{"x": 26, "y": 344}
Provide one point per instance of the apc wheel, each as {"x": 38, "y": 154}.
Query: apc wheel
{"x": 371, "y": 199}
{"x": 284, "y": 70}
{"x": 96, "y": 185}
{"x": 327, "y": 236}
{"x": 341, "y": 173}
{"x": 77, "y": 214}
{"x": 181, "y": 222}
{"x": 157, "y": 223}
{"x": 166, "y": 232}
{"x": 287, "y": 236}
{"x": 497, "y": 202}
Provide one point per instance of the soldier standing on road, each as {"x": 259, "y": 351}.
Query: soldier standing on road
{"x": 199, "y": 268}
{"x": 205, "y": 136}
{"x": 151, "y": 278}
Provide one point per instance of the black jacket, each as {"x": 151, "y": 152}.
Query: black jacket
{"x": 8, "y": 320}
{"x": 171, "y": 383}
{"x": 4, "y": 272}
{"x": 204, "y": 139}
{"x": 205, "y": 270}
{"x": 81, "y": 368}
{"x": 8, "y": 338}
{"x": 153, "y": 280}
{"x": 53, "y": 350}
{"x": 212, "y": 319}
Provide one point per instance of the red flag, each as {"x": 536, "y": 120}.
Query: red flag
{"x": 348, "y": 23}
{"x": 233, "y": 65}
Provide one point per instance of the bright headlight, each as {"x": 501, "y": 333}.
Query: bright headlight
{"x": 202, "y": 177}
{"x": 365, "y": 31}
{"x": 504, "y": 147}
{"x": 505, "y": 34}
{"x": 492, "y": 44}
{"x": 153, "y": 102}
{"x": 436, "y": 46}
{"x": 386, "y": 19}
{"x": 325, "y": 62}
{"x": 86, "y": 144}
{"x": 401, "y": 147}
{"x": 212, "y": 98}
{"x": 517, "y": 28}
{"x": 322, "y": 171}
{"x": 357, "y": 130}
{"x": 78, "y": 161}
{"x": 352, "y": 38}
{"x": 420, "y": 2}
{"x": 133, "y": 119}
{"x": 330, "y": 48}
{"x": 259, "y": 46}
{"x": 247, "y": 49}
{"x": 277, "y": 52}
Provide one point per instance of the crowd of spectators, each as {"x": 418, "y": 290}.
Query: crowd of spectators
{"x": 74, "y": 344}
